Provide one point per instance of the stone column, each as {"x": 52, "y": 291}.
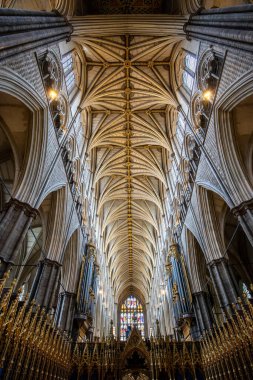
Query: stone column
{"x": 230, "y": 26}
{"x": 65, "y": 310}
{"x": 15, "y": 220}
{"x": 23, "y": 31}
{"x": 203, "y": 311}
{"x": 46, "y": 284}
{"x": 244, "y": 213}
{"x": 223, "y": 282}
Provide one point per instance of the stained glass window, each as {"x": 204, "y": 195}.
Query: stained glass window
{"x": 190, "y": 62}
{"x": 131, "y": 314}
{"x": 187, "y": 80}
{"x": 68, "y": 67}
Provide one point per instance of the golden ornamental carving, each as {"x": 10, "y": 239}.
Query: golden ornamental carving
{"x": 173, "y": 252}
{"x": 32, "y": 347}
{"x": 175, "y": 292}
{"x": 91, "y": 294}
{"x": 91, "y": 251}
{"x": 169, "y": 266}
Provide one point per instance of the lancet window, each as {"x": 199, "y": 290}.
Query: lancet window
{"x": 131, "y": 314}
{"x": 190, "y": 63}
{"x": 68, "y": 67}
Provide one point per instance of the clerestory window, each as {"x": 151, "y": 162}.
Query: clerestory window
{"x": 190, "y": 63}
{"x": 68, "y": 67}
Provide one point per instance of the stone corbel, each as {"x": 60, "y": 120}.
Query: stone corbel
{"x": 242, "y": 208}
{"x": 21, "y": 206}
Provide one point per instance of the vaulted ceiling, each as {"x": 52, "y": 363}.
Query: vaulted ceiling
{"x": 127, "y": 99}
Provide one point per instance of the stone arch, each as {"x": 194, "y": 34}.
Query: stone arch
{"x": 135, "y": 346}
{"x": 34, "y": 244}
{"x": 214, "y": 189}
{"x": 69, "y": 281}
{"x": 195, "y": 261}
{"x": 55, "y": 187}
{"x": 205, "y": 301}
{"x": 8, "y": 166}
{"x": 201, "y": 217}
{"x": 56, "y": 225}
{"x": 230, "y": 156}
{"x": 71, "y": 263}
{"x": 239, "y": 250}
{"x": 28, "y": 183}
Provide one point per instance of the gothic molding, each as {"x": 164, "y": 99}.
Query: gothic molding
{"x": 208, "y": 70}
{"x": 51, "y": 69}
{"x": 27, "y": 209}
{"x": 235, "y": 178}
{"x": 50, "y": 263}
{"x": 134, "y": 343}
{"x": 28, "y": 185}
{"x": 242, "y": 208}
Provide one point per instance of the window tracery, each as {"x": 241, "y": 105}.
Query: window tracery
{"x": 68, "y": 67}
{"x": 187, "y": 80}
{"x": 209, "y": 70}
{"x": 72, "y": 70}
{"x": 188, "y": 74}
{"x": 131, "y": 313}
{"x": 51, "y": 71}
{"x": 208, "y": 74}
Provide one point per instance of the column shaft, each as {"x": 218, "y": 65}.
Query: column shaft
{"x": 15, "y": 220}
{"x": 223, "y": 282}
{"x": 46, "y": 284}
{"x": 203, "y": 312}
{"x": 230, "y": 26}
{"x": 22, "y": 31}
{"x": 244, "y": 213}
{"x": 65, "y": 311}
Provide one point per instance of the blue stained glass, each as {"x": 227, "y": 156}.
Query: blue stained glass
{"x": 131, "y": 313}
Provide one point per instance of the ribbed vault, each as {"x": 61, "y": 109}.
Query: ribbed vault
{"x": 128, "y": 93}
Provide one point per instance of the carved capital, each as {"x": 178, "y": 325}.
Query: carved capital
{"x": 242, "y": 208}
{"x": 21, "y": 206}
{"x": 50, "y": 263}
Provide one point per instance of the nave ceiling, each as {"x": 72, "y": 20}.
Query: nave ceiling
{"x": 127, "y": 106}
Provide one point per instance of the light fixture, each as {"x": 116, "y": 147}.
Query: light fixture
{"x": 53, "y": 94}
{"x": 207, "y": 95}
